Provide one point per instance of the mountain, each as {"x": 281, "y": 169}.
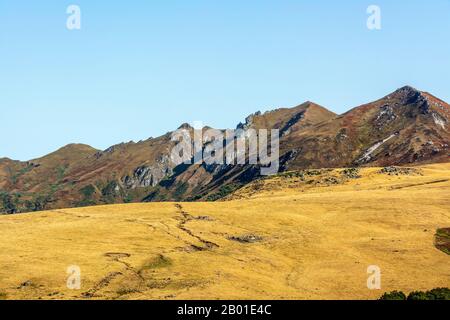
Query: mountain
{"x": 212, "y": 182}
{"x": 405, "y": 127}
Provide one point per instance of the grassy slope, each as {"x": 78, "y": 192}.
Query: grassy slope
{"x": 318, "y": 242}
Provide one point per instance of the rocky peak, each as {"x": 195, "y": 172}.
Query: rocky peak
{"x": 185, "y": 126}
{"x": 248, "y": 121}
{"x": 407, "y": 89}
{"x": 408, "y": 95}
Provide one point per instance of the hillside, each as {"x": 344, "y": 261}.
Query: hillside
{"x": 307, "y": 234}
{"x": 406, "y": 127}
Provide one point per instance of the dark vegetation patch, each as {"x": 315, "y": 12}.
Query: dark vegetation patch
{"x": 117, "y": 255}
{"x": 109, "y": 192}
{"x": 156, "y": 194}
{"x": 156, "y": 263}
{"x": 399, "y": 171}
{"x": 17, "y": 202}
{"x": 351, "y": 173}
{"x": 292, "y": 174}
{"x": 223, "y": 192}
{"x": 103, "y": 283}
{"x": 124, "y": 291}
{"x": 442, "y": 240}
{"x": 196, "y": 197}
{"x": 15, "y": 177}
{"x": 394, "y": 295}
{"x": 204, "y": 218}
{"x": 331, "y": 180}
{"x": 61, "y": 172}
{"x": 435, "y": 294}
{"x": 3, "y": 296}
{"x": 302, "y": 174}
{"x": 9, "y": 203}
{"x": 246, "y": 238}
{"x": 87, "y": 193}
{"x": 27, "y": 284}
{"x": 180, "y": 190}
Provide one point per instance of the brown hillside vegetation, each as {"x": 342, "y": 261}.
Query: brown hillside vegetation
{"x": 300, "y": 235}
{"x": 406, "y": 127}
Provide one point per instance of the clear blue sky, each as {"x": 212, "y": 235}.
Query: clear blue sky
{"x": 140, "y": 68}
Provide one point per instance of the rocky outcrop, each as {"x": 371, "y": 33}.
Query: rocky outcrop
{"x": 248, "y": 121}
{"x": 288, "y": 126}
{"x": 148, "y": 175}
{"x": 411, "y": 96}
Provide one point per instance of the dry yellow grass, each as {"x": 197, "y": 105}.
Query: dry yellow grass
{"x": 317, "y": 242}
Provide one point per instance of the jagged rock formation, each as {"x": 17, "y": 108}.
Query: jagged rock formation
{"x": 149, "y": 176}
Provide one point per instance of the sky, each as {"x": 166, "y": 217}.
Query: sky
{"x": 138, "y": 69}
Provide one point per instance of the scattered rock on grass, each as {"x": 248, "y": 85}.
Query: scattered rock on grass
{"x": 352, "y": 173}
{"x": 26, "y": 284}
{"x": 246, "y": 238}
{"x": 396, "y": 171}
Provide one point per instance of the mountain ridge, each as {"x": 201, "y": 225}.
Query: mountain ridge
{"x": 405, "y": 127}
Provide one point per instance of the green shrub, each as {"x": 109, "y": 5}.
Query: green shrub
{"x": 111, "y": 191}
{"x": 88, "y": 191}
{"x": 419, "y": 295}
{"x": 60, "y": 172}
{"x": 41, "y": 202}
{"x": 394, "y": 295}
{"x": 435, "y": 294}
{"x": 223, "y": 192}
{"x": 180, "y": 190}
{"x": 128, "y": 198}
{"x": 8, "y": 203}
{"x": 440, "y": 293}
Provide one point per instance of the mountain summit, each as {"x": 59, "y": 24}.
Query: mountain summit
{"x": 407, "y": 126}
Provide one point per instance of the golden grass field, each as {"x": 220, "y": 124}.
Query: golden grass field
{"x": 317, "y": 241}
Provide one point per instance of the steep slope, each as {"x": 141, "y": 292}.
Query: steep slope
{"x": 288, "y": 120}
{"x": 407, "y": 126}
{"x": 212, "y": 182}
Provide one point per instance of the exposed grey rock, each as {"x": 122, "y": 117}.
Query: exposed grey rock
{"x": 369, "y": 153}
{"x": 386, "y": 116}
{"x": 246, "y": 238}
{"x": 146, "y": 176}
{"x": 342, "y": 135}
{"x": 409, "y": 95}
{"x": 288, "y": 127}
{"x": 395, "y": 171}
{"x": 439, "y": 120}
